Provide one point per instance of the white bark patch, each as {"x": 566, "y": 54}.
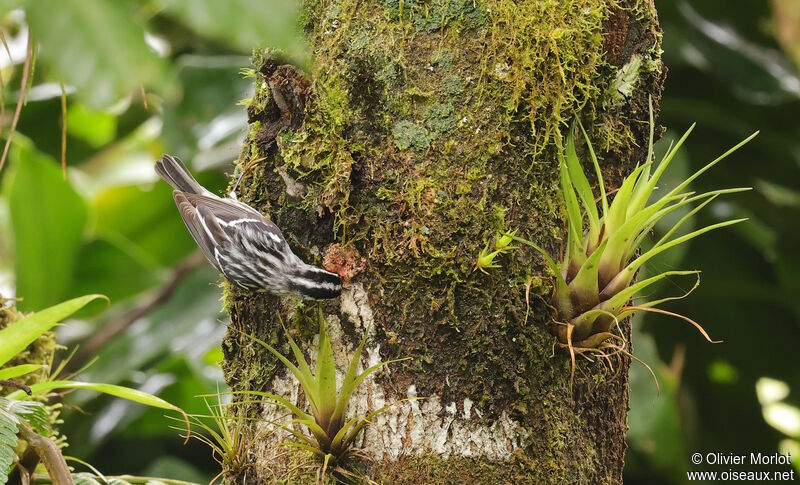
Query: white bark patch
{"x": 408, "y": 427}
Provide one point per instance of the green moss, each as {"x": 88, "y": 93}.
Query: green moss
{"x": 408, "y": 134}
{"x": 452, "y": 85}
{"x": 440, "y": 117}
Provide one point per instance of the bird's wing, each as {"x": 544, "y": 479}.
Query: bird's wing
{"x": 206, "y": 233}
{"x": 230, "y": 213}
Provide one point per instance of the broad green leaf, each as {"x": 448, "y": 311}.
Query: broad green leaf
{"x": 244, "y": 24}
{"x": 48, "y": 219}
{"x": 17, "y": 336}
{"x": 127, "y": 393}
{"x": 19, "y": 370}
{"x": 96, "y": 46}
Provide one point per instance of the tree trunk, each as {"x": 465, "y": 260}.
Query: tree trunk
{"x": 423, "y": 128}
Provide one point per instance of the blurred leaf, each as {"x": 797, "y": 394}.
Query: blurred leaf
{"x": 48, "y": 219}
{"x": 96, "y": 46}
{"x": 170, "y": 466}
{"x": 167, "y": 340}
{"x": 96, "y": 127}
{"x": 19, "y": 370}
{"x": 786, "y": 14}
{"x": 105, "y": 267}
{"x": 212, "y": 86}
{"x": 127, "y": 393}
{"x": 243, "y": 24}
{"x": 654, "y": 432}
{"x": 184, "y": 324}
{"x": 14, "y": 338}
{"x": 753, "y": 72}
{"x": 779, "y": 194}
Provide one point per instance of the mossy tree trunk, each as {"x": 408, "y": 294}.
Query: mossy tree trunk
{"x": 423, "y": 129}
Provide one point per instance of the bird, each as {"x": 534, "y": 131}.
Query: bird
{"x": 247, "y": 248}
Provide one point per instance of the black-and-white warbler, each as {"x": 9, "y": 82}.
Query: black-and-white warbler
{"x": 246, "y": 247}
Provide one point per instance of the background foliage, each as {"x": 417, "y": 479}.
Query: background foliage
{"x": 147, "y": 77}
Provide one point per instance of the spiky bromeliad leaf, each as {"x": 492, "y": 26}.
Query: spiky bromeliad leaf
{"x": 594, "y": 279}
{"x": 332, "y": 435}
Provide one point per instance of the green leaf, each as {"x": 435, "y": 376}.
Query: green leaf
{"x": 280, "y": 400}
{"x": 598, "y": 172}
{"x": 626, "y": 275}
{"x": 96, "y": 127}
{"x": 8, "y": 441}
{"x": 244, "y": 24}
{"x": 326, "y": 376}
{"x": 574, "y": 256}
{"x": 348, "y": 384}
{"x": 619, "y": 299}
{"x": 19, "y": 370}
{"x": 710, "y": 164}
{"x": 581, "y": 184}
{"x": 127, "y": 393}
{"x": 642, "y": 196}
{"x": 302, "y": 374}
{"x": 96, "y": 46}
{"x": 583, "y": 287}
{"x": 17, "y": 336}
{"x": 48, "y": 219}
{"x": 618, "y": 212}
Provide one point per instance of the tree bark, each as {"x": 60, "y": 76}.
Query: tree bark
{"x": 423, "y": 128}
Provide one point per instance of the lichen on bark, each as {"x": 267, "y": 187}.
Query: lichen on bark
{"x": 427, "y": 127}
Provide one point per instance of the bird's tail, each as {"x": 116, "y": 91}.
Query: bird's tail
{"x": 175, "y": 173}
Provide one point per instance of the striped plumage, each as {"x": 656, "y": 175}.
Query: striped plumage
{"x": 246, "y": 247}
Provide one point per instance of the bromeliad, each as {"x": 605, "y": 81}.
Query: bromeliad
{"x": 594, "y": 281}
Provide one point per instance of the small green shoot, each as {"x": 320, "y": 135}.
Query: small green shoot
{"x": 502, "y": 245}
